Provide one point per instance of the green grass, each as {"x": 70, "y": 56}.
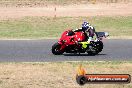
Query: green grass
{"x": 43, "y": 27}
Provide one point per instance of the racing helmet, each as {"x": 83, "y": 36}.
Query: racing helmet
{"x": 85, "y": 25}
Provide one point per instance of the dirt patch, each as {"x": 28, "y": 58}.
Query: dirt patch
{"x": 42, "y": 3}
{"x": 58, "y": 75}
{"x": 118, "y": 9}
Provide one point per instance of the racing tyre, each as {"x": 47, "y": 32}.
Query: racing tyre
{"x": 56, "y": 49}
{"x": 99, "y": 46}
{"x": 92, "y": 53}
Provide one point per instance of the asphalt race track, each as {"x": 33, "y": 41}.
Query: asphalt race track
{"x": 40, "y": 51}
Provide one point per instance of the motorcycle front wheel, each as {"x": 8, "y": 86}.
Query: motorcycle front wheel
{"x": 56, "y": 49}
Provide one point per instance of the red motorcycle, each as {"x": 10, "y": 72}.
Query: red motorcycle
{"x": 75, "y": 42}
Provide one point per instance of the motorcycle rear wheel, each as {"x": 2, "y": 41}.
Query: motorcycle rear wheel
{"x": 91, "y": 53}
{"x": 100, "y": 46}
{"x": 56, "y": 49}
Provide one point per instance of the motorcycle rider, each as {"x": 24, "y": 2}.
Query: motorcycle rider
{"x": 88, "y": 30}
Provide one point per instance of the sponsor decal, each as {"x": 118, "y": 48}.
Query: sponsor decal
{"x": 83, "y": 78}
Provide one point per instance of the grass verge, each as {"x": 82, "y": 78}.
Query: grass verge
{"x": 58, "y": 74}
{"x": 41, "y": 27}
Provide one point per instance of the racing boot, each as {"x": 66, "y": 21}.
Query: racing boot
{"x": 90, "y": 46}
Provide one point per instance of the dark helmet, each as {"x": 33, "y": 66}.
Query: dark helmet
{"x": 85, "y": 25}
